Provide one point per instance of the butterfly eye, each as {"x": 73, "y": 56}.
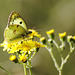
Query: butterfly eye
{"x": 20, "y": 22}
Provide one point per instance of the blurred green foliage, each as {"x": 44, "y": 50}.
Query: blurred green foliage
{"x": 44, "y": 15}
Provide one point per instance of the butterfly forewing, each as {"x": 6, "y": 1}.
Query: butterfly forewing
{"x": 14, "y": 33}
{"x": 15, "y": 18}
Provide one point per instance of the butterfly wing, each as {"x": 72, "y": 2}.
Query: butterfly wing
{"x": 14, "y": 33}
{"x": 15, "y": 18}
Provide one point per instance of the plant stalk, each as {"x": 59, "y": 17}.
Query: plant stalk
{"x": 25, "y": 71}
{"x": 30, "y": 71}
{"x": 60, "y": 72}
{"x": 5, "y": 70}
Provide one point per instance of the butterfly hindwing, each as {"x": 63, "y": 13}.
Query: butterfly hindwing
{"x": 15, "y": 18}
{"x": 14, "y": 33}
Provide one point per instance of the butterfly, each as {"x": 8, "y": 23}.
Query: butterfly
{"x": 16, "y": 29}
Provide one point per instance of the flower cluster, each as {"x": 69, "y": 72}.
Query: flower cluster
{"x": 50, "y": 43}
{"x": 21, "y": 51}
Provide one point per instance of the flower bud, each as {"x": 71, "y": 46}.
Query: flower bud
{"x": 43, "y": 40}
{"x": 71, "y": 38}
{"x": 37, "y": 49}
{"x": 13, "y": 58}
{"x": 62, "y": 36}
{"x": 50, "y": 33}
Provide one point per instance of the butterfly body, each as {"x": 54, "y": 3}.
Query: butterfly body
{"x": 16, "y": 29}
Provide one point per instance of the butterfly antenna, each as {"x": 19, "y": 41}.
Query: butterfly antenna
{"x": 34, "y": 27}
{"x": 37, "y": 29}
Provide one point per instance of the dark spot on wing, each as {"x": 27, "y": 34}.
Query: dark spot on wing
{"x": 14, "y": 18}
{"x": 21, "y": 22}
{"x": 14, "y": 31}
{"x": 17, "y": 26}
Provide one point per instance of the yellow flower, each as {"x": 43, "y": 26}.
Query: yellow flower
{"x": 6, "y": 46}
{"x": 12, "y": 57}
{"x": 50, "y": 34}
{"x": 74, "y": 37}
{"x": 23, "y": 46}
{"x": 14, "y": 48}
{"x": 34, "y": 33}
{"x": 62, "y": 34}
{"x": 50, "y": 31}
{"x": 27, "y": 45}
{"x": 21, "y": 49}
{"x": 23, "y": 58}
{"x": 37, "y": 44}
{"x": 43, "y": 40}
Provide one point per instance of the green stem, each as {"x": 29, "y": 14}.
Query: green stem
{"x": 55, "y": 62}
{"x": 32, "y": 55}
{"x": 67, "y": 57}
{"x": 56, "y": 45}
{"x": 60, "y": 72}
{"x": 30, "y": 71}
{"x": 5, "y": 70}
{"x": 25, "y": 72}
{"x": 58, "y": 49}
{"x": 53, "y": 58}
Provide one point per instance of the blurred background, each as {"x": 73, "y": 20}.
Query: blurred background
{"x": 45, "y": 15}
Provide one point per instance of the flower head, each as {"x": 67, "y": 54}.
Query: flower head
{"x": 13, "y": 58}
{"x": 62, "y": 34}
{"x": 23, "y": 58}
{"x": 50, "y": 33}
{"x": 38, "y": 45}
{"x": 34, "y": 33}
{"x": 43, "y": 40}
{"x": 6, "y": 46}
